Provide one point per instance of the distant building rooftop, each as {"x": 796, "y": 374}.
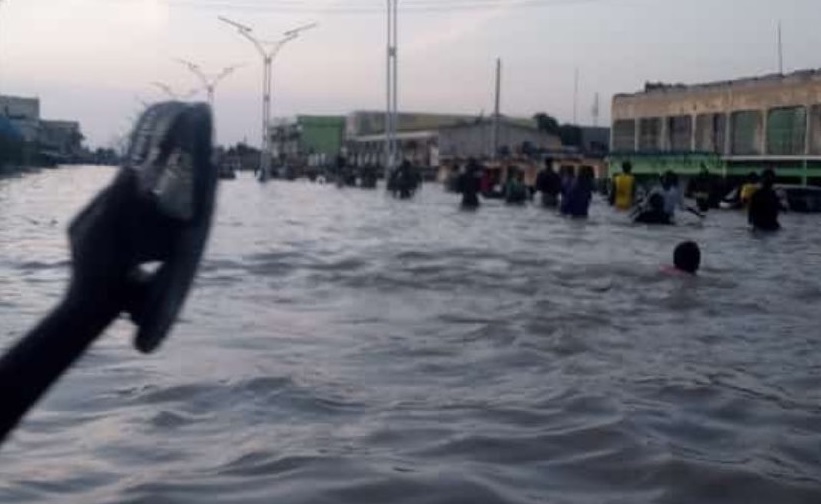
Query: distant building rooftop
{"x": 661, "y": 88}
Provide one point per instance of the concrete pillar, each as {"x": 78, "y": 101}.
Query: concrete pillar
{"x": 765, "y": 120}
{"x": 693, "y": 127}
{"x": 637, "y": 129}
{"x": 663, "y": 142}
{"x": 728, "y": 133}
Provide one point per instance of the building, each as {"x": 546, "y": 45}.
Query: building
{"x": 24, "y": 114}
{"x": 366, "y": 123}
{"x": 742, "y": 125}
{"x": 476, "y": 139}
{"x": 595, "y": 140}
{"x": 308, "y": 140}
{"x": 60, "y": 140}
{"x": 417, "y": 136}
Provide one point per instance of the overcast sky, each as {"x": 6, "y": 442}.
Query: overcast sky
{"x": 90, "y": 59}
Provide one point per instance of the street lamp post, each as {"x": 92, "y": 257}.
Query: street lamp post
{"x": 209, "y": 81}
{"x": 172, "y": 93}
{"x": 1, "y": 4}
{"x": 392, "y": 77}
{"x": 268, "y": 51}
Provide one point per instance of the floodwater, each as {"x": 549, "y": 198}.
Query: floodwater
{"x": 344, "y": 347}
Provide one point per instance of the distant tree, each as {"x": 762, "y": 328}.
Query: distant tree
{"x": 570, "y": 135}
{"x": 547, "y": 123}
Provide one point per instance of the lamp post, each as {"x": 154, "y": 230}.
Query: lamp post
{"x": 209, "y": 81}
{"x": 268, "y": 51}
{"x": 1, "y": 5}
{"x": 172, "y": 93}
{"x": 392, "y": 77}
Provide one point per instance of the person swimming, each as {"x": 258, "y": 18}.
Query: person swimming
{"x": 687, "y": 257}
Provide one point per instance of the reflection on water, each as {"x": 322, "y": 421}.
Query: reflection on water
{"x": 345, "y": 347}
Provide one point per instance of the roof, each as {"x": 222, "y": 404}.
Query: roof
{"x": 662, "y": 88}
{"x": 508, "y": 121}
{"x": 401, "y": 135}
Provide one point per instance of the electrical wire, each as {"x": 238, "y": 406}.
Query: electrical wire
{"x": 353, "y": 7}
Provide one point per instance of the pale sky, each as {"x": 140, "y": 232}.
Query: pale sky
{"x": 89, "y": 60}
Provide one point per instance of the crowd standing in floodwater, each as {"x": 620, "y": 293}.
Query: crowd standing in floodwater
{"x": 571, "y": 192}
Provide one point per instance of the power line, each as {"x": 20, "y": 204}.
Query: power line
{"x": 372, "y": 7}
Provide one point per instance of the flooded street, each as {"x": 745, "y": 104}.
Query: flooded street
{"x": 344, "y": 347}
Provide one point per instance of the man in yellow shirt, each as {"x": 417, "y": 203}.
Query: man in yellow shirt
{"x": 748, "y": 189}
{"x": 623, "y": 192}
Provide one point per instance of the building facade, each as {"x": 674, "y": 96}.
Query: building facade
{"x": 747, "y": 123}
{"x": 24, "y": 115}
{"x": 61, "y": 140}
{"x": 476, "y": 139}
{"x": 308, "y": 140}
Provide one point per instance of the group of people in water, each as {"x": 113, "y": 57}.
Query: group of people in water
{"x": 571, "y": 193}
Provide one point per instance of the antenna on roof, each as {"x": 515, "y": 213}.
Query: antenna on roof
{"x": 780, "y": 51}
{"x": 595, "y": 110}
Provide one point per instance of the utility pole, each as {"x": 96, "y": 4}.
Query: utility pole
{"x": 596, "y": 110}
{"x": 1, "y": 5}
{"x": 268, "y": 51}
{"x": 780, "y": 51}
{"x": 172, "y": 93}
{"x": 576, "y": 98}
{"x": 209, "y": 81}
{"x": 392, "y": 77}
{"x": 496, "y": 111}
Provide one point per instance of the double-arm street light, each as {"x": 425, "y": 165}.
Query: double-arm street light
{"x": 209, "y": 81}
{"x": 268, "y": 50}
{"x": 172, "y": 93}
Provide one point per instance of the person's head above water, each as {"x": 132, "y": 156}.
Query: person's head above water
{"x": 669, "y": 179}
{"x": 548, "y": 164}
{"x": 656, "y": 202}
{"x": 768, "y": 178}
{"x": 627, "y": 167}
{"x": 687, "y": 257}
{"x": 752, "y": 178}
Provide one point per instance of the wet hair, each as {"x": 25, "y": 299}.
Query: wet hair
{"x": 656, "y": 202}
{"x": 548, "y": 163}
{"x": 768, "y": 177}
{"x": 687, "y": 257}
{"x": 752, "y": 178}
{"x": 627, "y": 167}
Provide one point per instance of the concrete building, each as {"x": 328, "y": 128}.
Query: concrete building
{"x": 308, "y": 140}
{"x": 419, "y": 147}
{"x": 747, "y": 124}
{"x": 60, "y": 140}
{"x": 24, "y": 114}
{"x": 475, "y": 139}
{"x": 366, "y": 123}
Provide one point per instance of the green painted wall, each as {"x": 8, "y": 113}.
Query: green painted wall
{"x": 321, "y": 134}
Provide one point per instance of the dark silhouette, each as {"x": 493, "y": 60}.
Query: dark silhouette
{"x": 687, "y": 257}
{"x": 515, "y": 190}
{"x": 549, "y": 184}
{"x": 702, "y": 189}
{"x": 654, "y": 212}
{"x": 577, "y": 201}
{"x": 404, "y": 181}
{"x": 137, "y": 219}
{"x": 470, "y": 185}
{"x": 765, "y": 205}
